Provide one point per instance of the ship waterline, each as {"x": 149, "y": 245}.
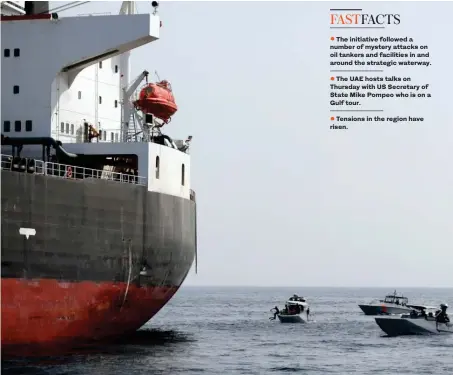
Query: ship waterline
{"x": 56, "y": 316}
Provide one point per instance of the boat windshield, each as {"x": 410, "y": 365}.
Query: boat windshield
{"x": 296, "y": 303}
{"x": 297, "y": 298}
{"x": 398, "y": 300}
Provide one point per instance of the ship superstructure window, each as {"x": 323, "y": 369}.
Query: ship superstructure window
{"x": 17, "y": 126}
{"x": 100, "y": 100}
{"x": 62, "y": 127}
{"x": 105, "y": 136}
{"x": 16, "y": 89}
{"x": 116, "y": 103}
{"x": 6, "y": 126}
{"x": 100, "y": 64}
{"x": 16, "y": 52}
{"x": 112, "y": 137}
{"x": 116, "y": 137}
{"x": 67, "y": 127}
{"x": 157, "y": 166}
{"x": 6, "y": 52}
{"x": 116, "y": 68}
{"x": 100, "y": 136}
{"x": 183, "y": 170}
{"x": 28, "y": 126}
{"x": 72, "y": 129}
{"x": 80, "y": 94}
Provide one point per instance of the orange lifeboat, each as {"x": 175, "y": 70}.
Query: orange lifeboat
{"x": 157, "y": 99}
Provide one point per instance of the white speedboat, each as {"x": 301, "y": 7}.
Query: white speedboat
{"x": 392, "y": 304}
{"x": 421, "y": 321}
{"x": 296, "y": 310}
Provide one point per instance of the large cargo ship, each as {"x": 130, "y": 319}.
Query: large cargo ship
{"x": 98, "y": 226}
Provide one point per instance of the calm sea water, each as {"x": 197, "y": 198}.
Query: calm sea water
{"x": 227, "y": 331}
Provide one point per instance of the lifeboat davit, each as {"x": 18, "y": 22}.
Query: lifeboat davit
{"x": 157, "y": 99}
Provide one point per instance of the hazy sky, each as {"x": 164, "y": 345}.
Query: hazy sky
{"x": 282, "y": 199}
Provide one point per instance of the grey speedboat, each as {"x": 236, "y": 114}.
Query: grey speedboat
{"x": 421, "y": 321}
{"x": 391, "y": 304}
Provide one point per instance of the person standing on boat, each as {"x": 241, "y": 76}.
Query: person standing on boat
{"x": 441, "y": 315}
{"x": 308, "y": 312}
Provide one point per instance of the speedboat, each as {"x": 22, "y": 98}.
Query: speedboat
{"x": 421, "y": 321}
{"x": 391, "y": 304}
{"x": 296, "y": 311}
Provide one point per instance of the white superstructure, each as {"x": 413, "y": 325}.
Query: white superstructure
{"x": 58, "y": 74}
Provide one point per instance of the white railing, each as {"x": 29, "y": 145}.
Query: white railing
{"x": 67, "y": 171}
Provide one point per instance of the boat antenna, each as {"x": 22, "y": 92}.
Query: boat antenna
{"x": 157, "y": 75}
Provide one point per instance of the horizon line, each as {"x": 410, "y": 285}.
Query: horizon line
{"x": 317, "y": 286}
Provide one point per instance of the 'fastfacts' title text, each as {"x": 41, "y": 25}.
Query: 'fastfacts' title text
{"x": 364, "y": 19}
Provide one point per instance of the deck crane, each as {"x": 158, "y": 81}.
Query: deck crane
{"x": 127, "y": 107}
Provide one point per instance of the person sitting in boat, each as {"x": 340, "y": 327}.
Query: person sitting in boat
{"x": 423, "y": 314}
{"x": 441, "y": 315}
{"x": 285, "y": 310}
{"x": 290, "y": 309}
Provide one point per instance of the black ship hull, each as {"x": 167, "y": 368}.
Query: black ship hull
{"x": 105, "y": 257}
